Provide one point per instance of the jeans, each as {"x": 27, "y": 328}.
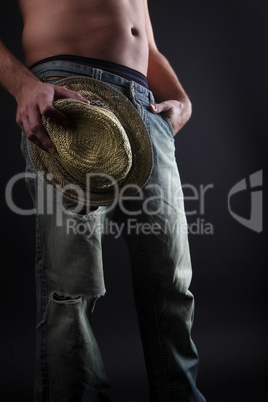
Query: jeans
{"x": 69, "y": 272}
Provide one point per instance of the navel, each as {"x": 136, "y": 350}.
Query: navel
{"x": 134, "y": 31}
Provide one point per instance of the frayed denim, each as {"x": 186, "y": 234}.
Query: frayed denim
{"x": 69, "y": 272}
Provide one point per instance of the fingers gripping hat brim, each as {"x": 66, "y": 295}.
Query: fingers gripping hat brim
{"x": 94, "y": 163}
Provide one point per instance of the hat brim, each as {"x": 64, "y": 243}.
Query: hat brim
{"x": 138, "y": 136}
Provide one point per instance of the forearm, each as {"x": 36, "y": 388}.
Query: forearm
{"x": 34, "y": 98}
{"x": 14, "y": 76}
{"x": 168, "y": 91}
{"x": 163, "y": 80}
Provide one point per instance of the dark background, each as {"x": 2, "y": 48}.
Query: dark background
{"x": 218, "y": 51}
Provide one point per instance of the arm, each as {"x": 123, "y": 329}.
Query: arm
{"x": 33, "y": 97}
{"x": 162, "y": 80}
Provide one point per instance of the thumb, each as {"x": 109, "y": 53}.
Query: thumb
{"x": 158, "y": 107}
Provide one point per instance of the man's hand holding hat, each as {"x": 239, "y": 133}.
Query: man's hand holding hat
{"x": 36, "y": 100}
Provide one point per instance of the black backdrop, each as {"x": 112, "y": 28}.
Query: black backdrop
{"x": 218, "y": 51}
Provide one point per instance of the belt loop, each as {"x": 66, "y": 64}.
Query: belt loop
{"x": 96, "y": 73}
{"x": 131, "y": 90}
{"x": 100, "y": 75}
{"x": 131, "y": 86}
{"x": 151, "y": 97}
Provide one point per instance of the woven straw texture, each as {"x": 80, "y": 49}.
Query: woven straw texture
{"x": 106, "y": 137}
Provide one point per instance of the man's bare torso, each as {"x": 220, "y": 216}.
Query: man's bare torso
{"x": 112, "y": 30}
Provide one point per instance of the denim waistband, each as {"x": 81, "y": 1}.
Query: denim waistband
{"x": 58, "y": 69}
{"x": 111, "y": 67}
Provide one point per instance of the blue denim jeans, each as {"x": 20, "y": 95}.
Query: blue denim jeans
{"x": 69, "y": 272}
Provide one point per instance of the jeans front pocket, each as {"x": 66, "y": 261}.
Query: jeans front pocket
{"x": 171, "y": 129}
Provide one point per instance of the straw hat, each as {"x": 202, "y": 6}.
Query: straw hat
{"x": 104, "y": 148}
